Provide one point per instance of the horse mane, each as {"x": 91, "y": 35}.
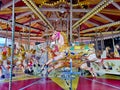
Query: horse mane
{"x": 65, "y": 37}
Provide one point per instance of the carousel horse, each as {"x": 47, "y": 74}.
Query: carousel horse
{"x": 116, "y": 53}
{"x": 5, "y": 61}
{"x": 25, "y": 59}
{"x": 19, "y": 58}
{"x": 6, "y": 53}
{"x": 19, "y": 61}
{"x": 60, "y": 58}
{"x": 30, "y": 61}
{"x": 22, "y": 59}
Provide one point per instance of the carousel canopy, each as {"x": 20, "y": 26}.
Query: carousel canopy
{"x": 90, "y": 18}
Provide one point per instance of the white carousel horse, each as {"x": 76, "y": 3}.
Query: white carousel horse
{"x": 5, "y": 60}
{"x": 59, "y": 53}
{"x": 19, "y": 58}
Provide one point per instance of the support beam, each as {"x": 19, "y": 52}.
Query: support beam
{"x": 3, "y": 32}
{"x": 116, "y": 5}
{"x": 102, "y": 42}
{"x": 9, "y": 4}
{"x": 94, "y": 11}
{"x": 64, "y": 10}
{"x": 117, "y": 28}
{"x": 77, "y": 10}
{"x": 107, "y": 29}
{"x": 13, "y": 42}
{"x": 74, "y": 10}
{"x": 103, "y": 16}
{"x": 19, "y": 25}
{"x": 52, "y": 10}
{"x": 37, "y": 12}
{"x": 99, "y": 34}
{"x": 101, "y": 27}
{"x": 110, "y": 36}
{"x": 32, "y": 38}
{"x": 34, "y": 21}
{"x": 24, "y": 14}
{"x": 71, "y": 16}
{"x": 64, "y": 19}
{"x": 95, "y": 24}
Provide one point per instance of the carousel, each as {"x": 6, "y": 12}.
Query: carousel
{"x": 59, "y": 44}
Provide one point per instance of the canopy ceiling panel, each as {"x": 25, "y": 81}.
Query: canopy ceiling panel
{"x": 55, "y": 14}
{"x": 20, "y": 4}
{"x": 115, "y": 17}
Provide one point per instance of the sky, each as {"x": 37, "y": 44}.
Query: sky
{"x": 2, "y": 41}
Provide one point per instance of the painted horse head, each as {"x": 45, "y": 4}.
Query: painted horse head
{"x": 56, "y": 35}
{"x": 60, "y": 39}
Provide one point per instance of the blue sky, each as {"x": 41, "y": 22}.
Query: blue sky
{"x": 2, "y": 41}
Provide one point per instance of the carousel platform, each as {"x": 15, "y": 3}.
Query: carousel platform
{"x": 30, "y": 82}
